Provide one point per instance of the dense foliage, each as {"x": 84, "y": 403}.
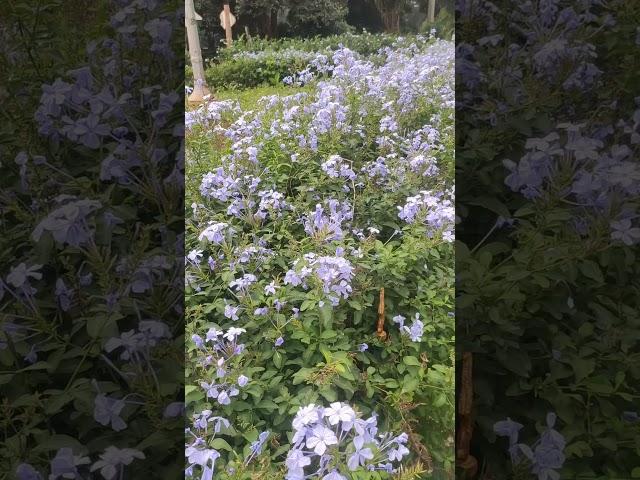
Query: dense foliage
{"x": 276, "y": 19}
{"x": 547, "y": 133}
{"x": 249, "y": 63}
{"x": 307, "y": 210}
{"x": 364, "y": 43}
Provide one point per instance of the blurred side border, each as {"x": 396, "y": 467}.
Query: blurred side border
{"x": 92, "y": 221}
{"x": 548, "y": 191}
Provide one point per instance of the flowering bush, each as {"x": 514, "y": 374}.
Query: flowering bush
{"x": 310, "y": 213}
{"x": 364, "y": 43}
{"x": 249, "y": 64}
{"x": 543, "y": 458}
{"x": 331, "y": 440}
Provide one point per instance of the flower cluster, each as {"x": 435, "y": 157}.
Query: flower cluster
{"x": 334, "y": 273}
{"x": 337, "y": 167}
{"x": 66, "y": 464}
{"x": 209, "y": 113}
{"x": 436, "y": 211}
{"x": 215, "y": 232}
{"x": 544, "y": 457}
{"x": 413, "y": 331}
{"x": 583, "y": 161}
{"x": 134, "y": 344}
{"x": 218, "y": 350}
{"x": 569, "y": 182}
{"x": 217, "y": 354}
{"x": 328, "y": 226}
{"x": 330, "y": 441}
{"x": 68, "y": 224}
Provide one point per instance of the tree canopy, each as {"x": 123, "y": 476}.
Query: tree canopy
{"x": 306, "y": 18}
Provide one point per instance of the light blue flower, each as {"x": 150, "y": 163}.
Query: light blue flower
{"x": 334, "y": 475}
{"x": 320, "y": 438}
{"x": 107, "y": 411}
{"x": 27, "y": 472}
{"x": 360, "y": 456}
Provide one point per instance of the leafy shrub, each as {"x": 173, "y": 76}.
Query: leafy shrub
{"x": 250, "y": 69}
{"x": 250, "y": 63}
{"x": 364, "y": 43}
{"x": 306, "y": 211}
{"x": 317, "y": 17}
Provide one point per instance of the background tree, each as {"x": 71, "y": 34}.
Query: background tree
{"x": 306, "y": 18}
{"x": 262, "y": 15}
{"x": 211, "y": 33}
{"x": 317, "y": 17}
{"x": 444, "y": 18}
{"x": 390, "y": 12}
{"x": 363, "y": 14}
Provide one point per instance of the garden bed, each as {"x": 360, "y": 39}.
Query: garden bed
{"x": 320, "y": 274}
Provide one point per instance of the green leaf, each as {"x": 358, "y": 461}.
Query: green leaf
{"x": 56, "y": 442}
{"x": 326, "y": 353}
{"x": 440, "y": 400}
{"x": 269, "y": 405}
{"x": 190, "y": 388}
{"x": 329, "y": 394}
{"x": 583, "y": 367}
{"x": 600, "y": 384}
{"x": 410, "y": 383}
{"x": 492, "y": 204}
{"x": 326, "y": 315}
{"x": 102, "y": 327}
{"x": 307, "y": 304}
{"x": 609, "y": 443}
{"x": 220, "y": 444}
{"x": 413, "y": 361}
{"x": 517, "y": 274}
{"x": 515, "y": 360}
{"x": 301, "y": 375}
{"x": 591, "y": 269}
{"x": 327, "y": 334}
{"x": 277, "y": 359}
{"x": 579, "y": 449}
{"x": 55, "y": 403}
{"x": 346, "y": 374}
{"x": 37, "y": 366}
{"x": 585, "y": 329}
{"x": 465, "y": 300}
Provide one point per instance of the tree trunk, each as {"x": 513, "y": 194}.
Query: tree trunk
{"x": 268, "y": 32}
{"x": 274, "y": 22}
{"x": 391, "y": 20}
{"x": 390, "y": 13}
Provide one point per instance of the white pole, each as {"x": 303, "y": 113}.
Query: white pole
{"x": 226, "y": 13}
{"x": 432, "y": 11}
{"x": 200, "y": 89}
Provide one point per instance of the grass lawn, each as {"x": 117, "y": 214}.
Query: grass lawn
{"x": 249, "y": 98}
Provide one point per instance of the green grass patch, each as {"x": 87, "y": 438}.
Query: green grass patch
{"x": 248, "y": 99}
